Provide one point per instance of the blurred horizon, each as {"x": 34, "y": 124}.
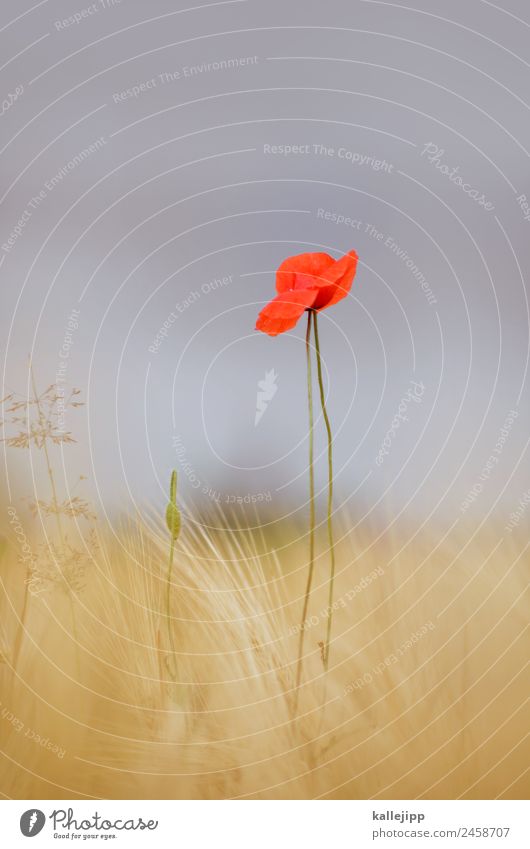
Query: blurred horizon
{"x": 154, "y": 204}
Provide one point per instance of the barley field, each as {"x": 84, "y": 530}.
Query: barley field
{"x": 105, "y": 696}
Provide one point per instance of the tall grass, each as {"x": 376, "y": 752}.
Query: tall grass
{"x": 405, "y": 710}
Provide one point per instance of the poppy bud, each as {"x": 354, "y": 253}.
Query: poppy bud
{"x": 173, "y": 520}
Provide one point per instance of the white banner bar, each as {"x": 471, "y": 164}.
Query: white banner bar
{"x": 266, "y": 824}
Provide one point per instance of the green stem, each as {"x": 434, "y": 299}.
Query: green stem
{"x": 330, "y": 494}
{"x": 311, "y": 503}
{"x": 170, "y": 661}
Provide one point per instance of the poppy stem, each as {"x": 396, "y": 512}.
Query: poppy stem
{"x": 310, "y": 313}
{"x": 330, "y": 494}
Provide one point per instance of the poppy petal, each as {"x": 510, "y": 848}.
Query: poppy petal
{"x": 302, "y": 271}
{"x": 284, "y": 310}
{"x": 336, "y": 281}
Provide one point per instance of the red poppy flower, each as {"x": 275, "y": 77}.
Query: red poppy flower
{"x": 306, "y": 281}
